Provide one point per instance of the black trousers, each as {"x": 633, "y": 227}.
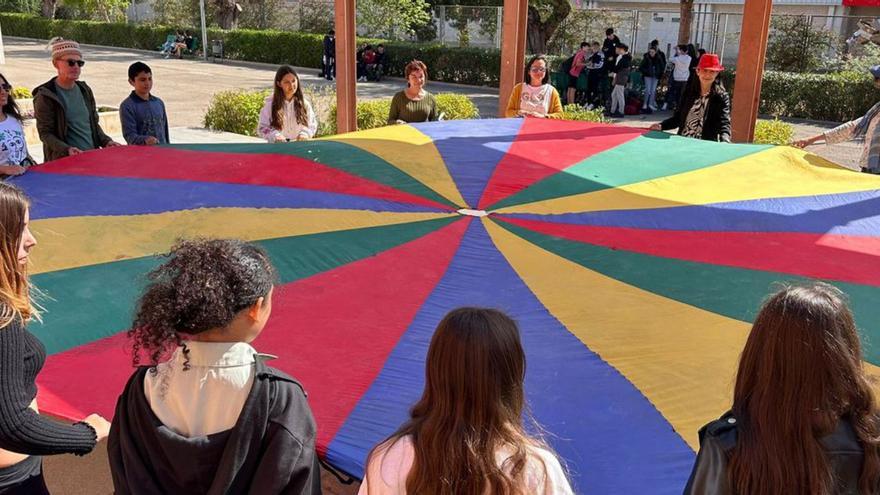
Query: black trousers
{"x": 24, "y": 478}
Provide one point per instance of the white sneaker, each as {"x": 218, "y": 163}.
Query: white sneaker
{"x": 590, "y": 106}
{"x": 653, "y": 108}
{"x": 664, "y": 106}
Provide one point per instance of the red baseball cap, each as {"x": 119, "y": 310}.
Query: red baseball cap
{"x": 710, "y": 61}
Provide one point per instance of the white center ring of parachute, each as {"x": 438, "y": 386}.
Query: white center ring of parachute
{"x": 472, "y": 213}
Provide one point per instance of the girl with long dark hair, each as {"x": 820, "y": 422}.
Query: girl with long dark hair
{"x": 286, "y": 115}
{"x": 207, "y": 415}
{"x": 14, "y": 158}
{"x": 704, "y": 109}
{"x": 465, "y": 435}
{"x": 804, "y": 418}
{"x": 25, "y": 435}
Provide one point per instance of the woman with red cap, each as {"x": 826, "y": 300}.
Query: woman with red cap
{"x": 704, "y": 109}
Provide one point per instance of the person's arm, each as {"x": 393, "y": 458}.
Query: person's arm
{"x": 264, "y": 127}
{"x": 45, "y": 115}
{"x": 843, "y": 132}
{"x": 394, "y": 111}
{"x": 709, "y": 474}
{"x": 103, "y": 139}
{"x": 555, "y": 111}
{"x": 513, "y": 102}
{"x": 165, "y": 118}
{"x": 724, "y": 124}
{"x": 434, "y": 114}
{"x": 129, "y": 124}
{"x": 309, "y": 131}
{"x": 22, "y": 429}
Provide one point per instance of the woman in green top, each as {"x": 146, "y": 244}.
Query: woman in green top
{"x": 414, "y": 104}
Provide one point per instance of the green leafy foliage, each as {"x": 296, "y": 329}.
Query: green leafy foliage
{"x": 21, "y": 93}
{"x": 477, "y": 66}
{"x": 374, "y": 113}
{"x": 392, "y": 18}
{"x": 795, "y": 45}
{"x": 235, "y": 111}
{"x": 577, "y": 112}
{"x": 773, "y": 132}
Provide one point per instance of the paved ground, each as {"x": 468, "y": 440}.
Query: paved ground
{"x": 186, "y": 86}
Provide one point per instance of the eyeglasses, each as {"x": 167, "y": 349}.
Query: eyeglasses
{"x": 538, "y": 69}
{"x": 80, "y": 63}
{"x": 6, "y": 87}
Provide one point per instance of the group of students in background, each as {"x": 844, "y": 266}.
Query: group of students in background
{"x": 610, "y": 65}
{"x": 204, "y": 413}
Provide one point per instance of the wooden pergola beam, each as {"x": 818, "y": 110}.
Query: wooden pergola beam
{"x": 750, "y": 69}
{"x": 346, "y": 68}
{"x": 513, "y": 49}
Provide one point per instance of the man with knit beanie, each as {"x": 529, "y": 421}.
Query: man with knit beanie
{"x": 67, "y": 117}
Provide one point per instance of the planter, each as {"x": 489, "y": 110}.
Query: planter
{"x": 107, "y": 116}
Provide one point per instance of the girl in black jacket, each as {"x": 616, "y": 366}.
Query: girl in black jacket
{"x": 704, "y": 109}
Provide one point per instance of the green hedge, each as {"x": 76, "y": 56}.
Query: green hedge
{"x": 235, "y": 111}
{"x": 833, "y": 96}
{"x": 238, "y": 111}
{"x": 374, "y": 113}
{"x": 773, "y": 132}
{"x": 460, "y": 65}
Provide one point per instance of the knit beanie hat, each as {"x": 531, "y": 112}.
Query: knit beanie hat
{"x": 61, "y": 47}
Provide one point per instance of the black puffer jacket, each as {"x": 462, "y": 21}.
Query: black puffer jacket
{"x": 718, "y": 438}
{"x": 716, "y": 121}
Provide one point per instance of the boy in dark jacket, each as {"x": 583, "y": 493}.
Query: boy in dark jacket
{"x": 65, "y": 109}
{"x": 621, "y": 69}
{"x": 143, "y": 115}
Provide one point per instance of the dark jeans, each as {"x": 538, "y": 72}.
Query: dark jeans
{"x": 674, "y": 94}
{"x": 24, "y": 478}
{"x": 594, "y": 80}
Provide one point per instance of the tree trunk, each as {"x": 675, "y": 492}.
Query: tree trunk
{"x": 227, "y": 14}
{"x": 686, "y": 16}
{"x": 539, "y": 32}
{"x": 47, "y": 8}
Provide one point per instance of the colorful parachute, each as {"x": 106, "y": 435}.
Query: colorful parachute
{"x": 633, "y": 261}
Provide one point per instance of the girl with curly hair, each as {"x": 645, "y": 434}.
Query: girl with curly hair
{"x": 212, "y": 417}
{"x": 25, "y": 434}
{"x": 465, "y": 436}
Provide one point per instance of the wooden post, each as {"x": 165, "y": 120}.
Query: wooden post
{"x": 750, "y": 69}
{"x": 2, "y": 52}
{"x": 346, "y": 70}
{"x": 513, "y": 49}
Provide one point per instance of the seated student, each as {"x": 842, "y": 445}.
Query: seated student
{"x": 213, "y": 418}
{"x": 465, "y": 435}
{"x": 376, "y": 70}
{"x": 361, "y": 67}
{"x": 14, "y": 157}
{"x": 287, "y": 115}
{"x": 535, "y": 96}
{"x": 178, "y": 45}
{"x": 804, "y": 418}
{"x": 143, "y": 115}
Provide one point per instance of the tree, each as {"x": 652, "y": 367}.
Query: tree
{"x": 686, "y": 16}
{"x": 227, "y": 12}
{"x": 390, "y": 18}
{"x": 544, "y": 18}
{"x": 47, "y": 8}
